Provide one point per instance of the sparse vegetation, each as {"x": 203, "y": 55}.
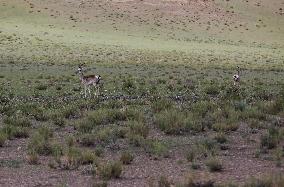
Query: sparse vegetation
{"x": 214, "y": 165}
{"x": 3, "y": 138}
{"x": 40, "y": 142}
{"x": 33, "y": 158}
{"x": 156, "y": 148}
{"x": 126, "y": 157}
{"x": 110, "y": 170}
{"x": 276, "y": 180}
{"x": 171, "y": 121}
{"x": 166, "y": 96}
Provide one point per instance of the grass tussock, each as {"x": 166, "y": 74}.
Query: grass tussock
{"x": 110, "y": 170}
{"x": 171, "y": 121}
{"x": 156, "y": 148}
{"x": 3, "y": 138}
{"x": 272, "y": 138}
{"x": 271, "y": 181}
{"x": 214, "y": 165}
{"x": 161, "y": 104}
{"x": 40, "y": 141}
{"x": 33, "y": 158}
{"x": 106, "y": 116}
{"x": 126, "y": 157}
{"x": 138, "y": 128}
{"x": 17, "y": 121}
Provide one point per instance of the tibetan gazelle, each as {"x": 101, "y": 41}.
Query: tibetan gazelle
{"x": 236, "y": 77}
{"x": 88, "y": 81}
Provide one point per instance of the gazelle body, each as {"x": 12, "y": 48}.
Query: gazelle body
{"x": 88, "y": 81}
{"x": 236, "y": 77}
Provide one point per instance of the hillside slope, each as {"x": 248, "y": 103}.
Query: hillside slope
{"x": 141, "y": 24}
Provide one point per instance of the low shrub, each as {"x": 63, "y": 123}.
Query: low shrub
{"x": 212, "y": 89}
{"x": 110, "y": 170}
{"x": 106, "y": 136}
{"x": 268, "y": 141}
{"x": 136, "y": 140}
{"x": 70, "y": 140}
{"x": 121, "y": 132}
{"x": 193, "y": 181}
{"x": 40, "y": 142}
{"x": 161, "y": 104}
{"x": 255, "y": 124}
{"x": 3, "y": 138}
{"x": 18, "y": 121}
{"x": 100, "y": 117}
{"x": 201, "y": 108}
{"x": 252, "y": 112}
{"x": 41, "y": 87}
{"x": 56, "y": 150}
{"x": 190, "y": 155}
{"x": 225, "y": 127}
{"x": 195, "y": 125}
{"x": 156, "y": 148}
{"x": 240, "y": 105}
{"x": 208, "y": 144}
{"x": 214, "y": 165}
{"x": 138, "y": 128}
{"x": 87, "y": 140}
{"x": 204, "y": 148}
{"x": 171, "y": 121}
{"x": 221, "y": 138}
{"x": 88, "y": 157}
{"x": 99, "y": 151}
{"x": 195, "y": 166}
{"x": 270, "y": 181}
{"x": 271, "y": 139}
{"x": 15, "y": 131}
{"x": 105, "y": 116}
{"x": 84, "y": 125}
{"x": 33, "y": 158}
{"x": 100, "y": 184}
{"x": 126, "y": 157}
{"x": 59, "y": 121}
{"x": 129, "y": 85}
{"x": 21, "y": 132}
{"x": 70, "y": 111}
{"x": 71, "y": 159}
{"x": 164, "y": 182}
{"x": 134, "y": 114}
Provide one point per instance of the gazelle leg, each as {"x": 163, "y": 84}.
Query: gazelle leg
{"x": 98, "y": 91}
{"x": 85, "y": 89}
{"x": 90, "y": 90}
{"x": 95, "y": 86}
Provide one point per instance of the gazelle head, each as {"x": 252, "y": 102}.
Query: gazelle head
{"x": 238, "y": 70}
{"x": 236, "y": 77}
{"x": 98, "y": 79}
{"x": 79, "y": 70}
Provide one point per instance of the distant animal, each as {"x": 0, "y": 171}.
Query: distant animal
{"x": 236, "y": 77}
{"x": 88, "y": 81}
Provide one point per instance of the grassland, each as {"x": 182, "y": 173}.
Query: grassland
{"x": 168, "y": 112}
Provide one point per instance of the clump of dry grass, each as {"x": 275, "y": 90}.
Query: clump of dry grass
{"x": 171, "y": 121}
{"x": 126, "y": 157}
{"x": 3, "y": 138}
{"x": 110, "y": 170}
{"x": 40, "y": 141}
{"x": 214, "y": 165}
